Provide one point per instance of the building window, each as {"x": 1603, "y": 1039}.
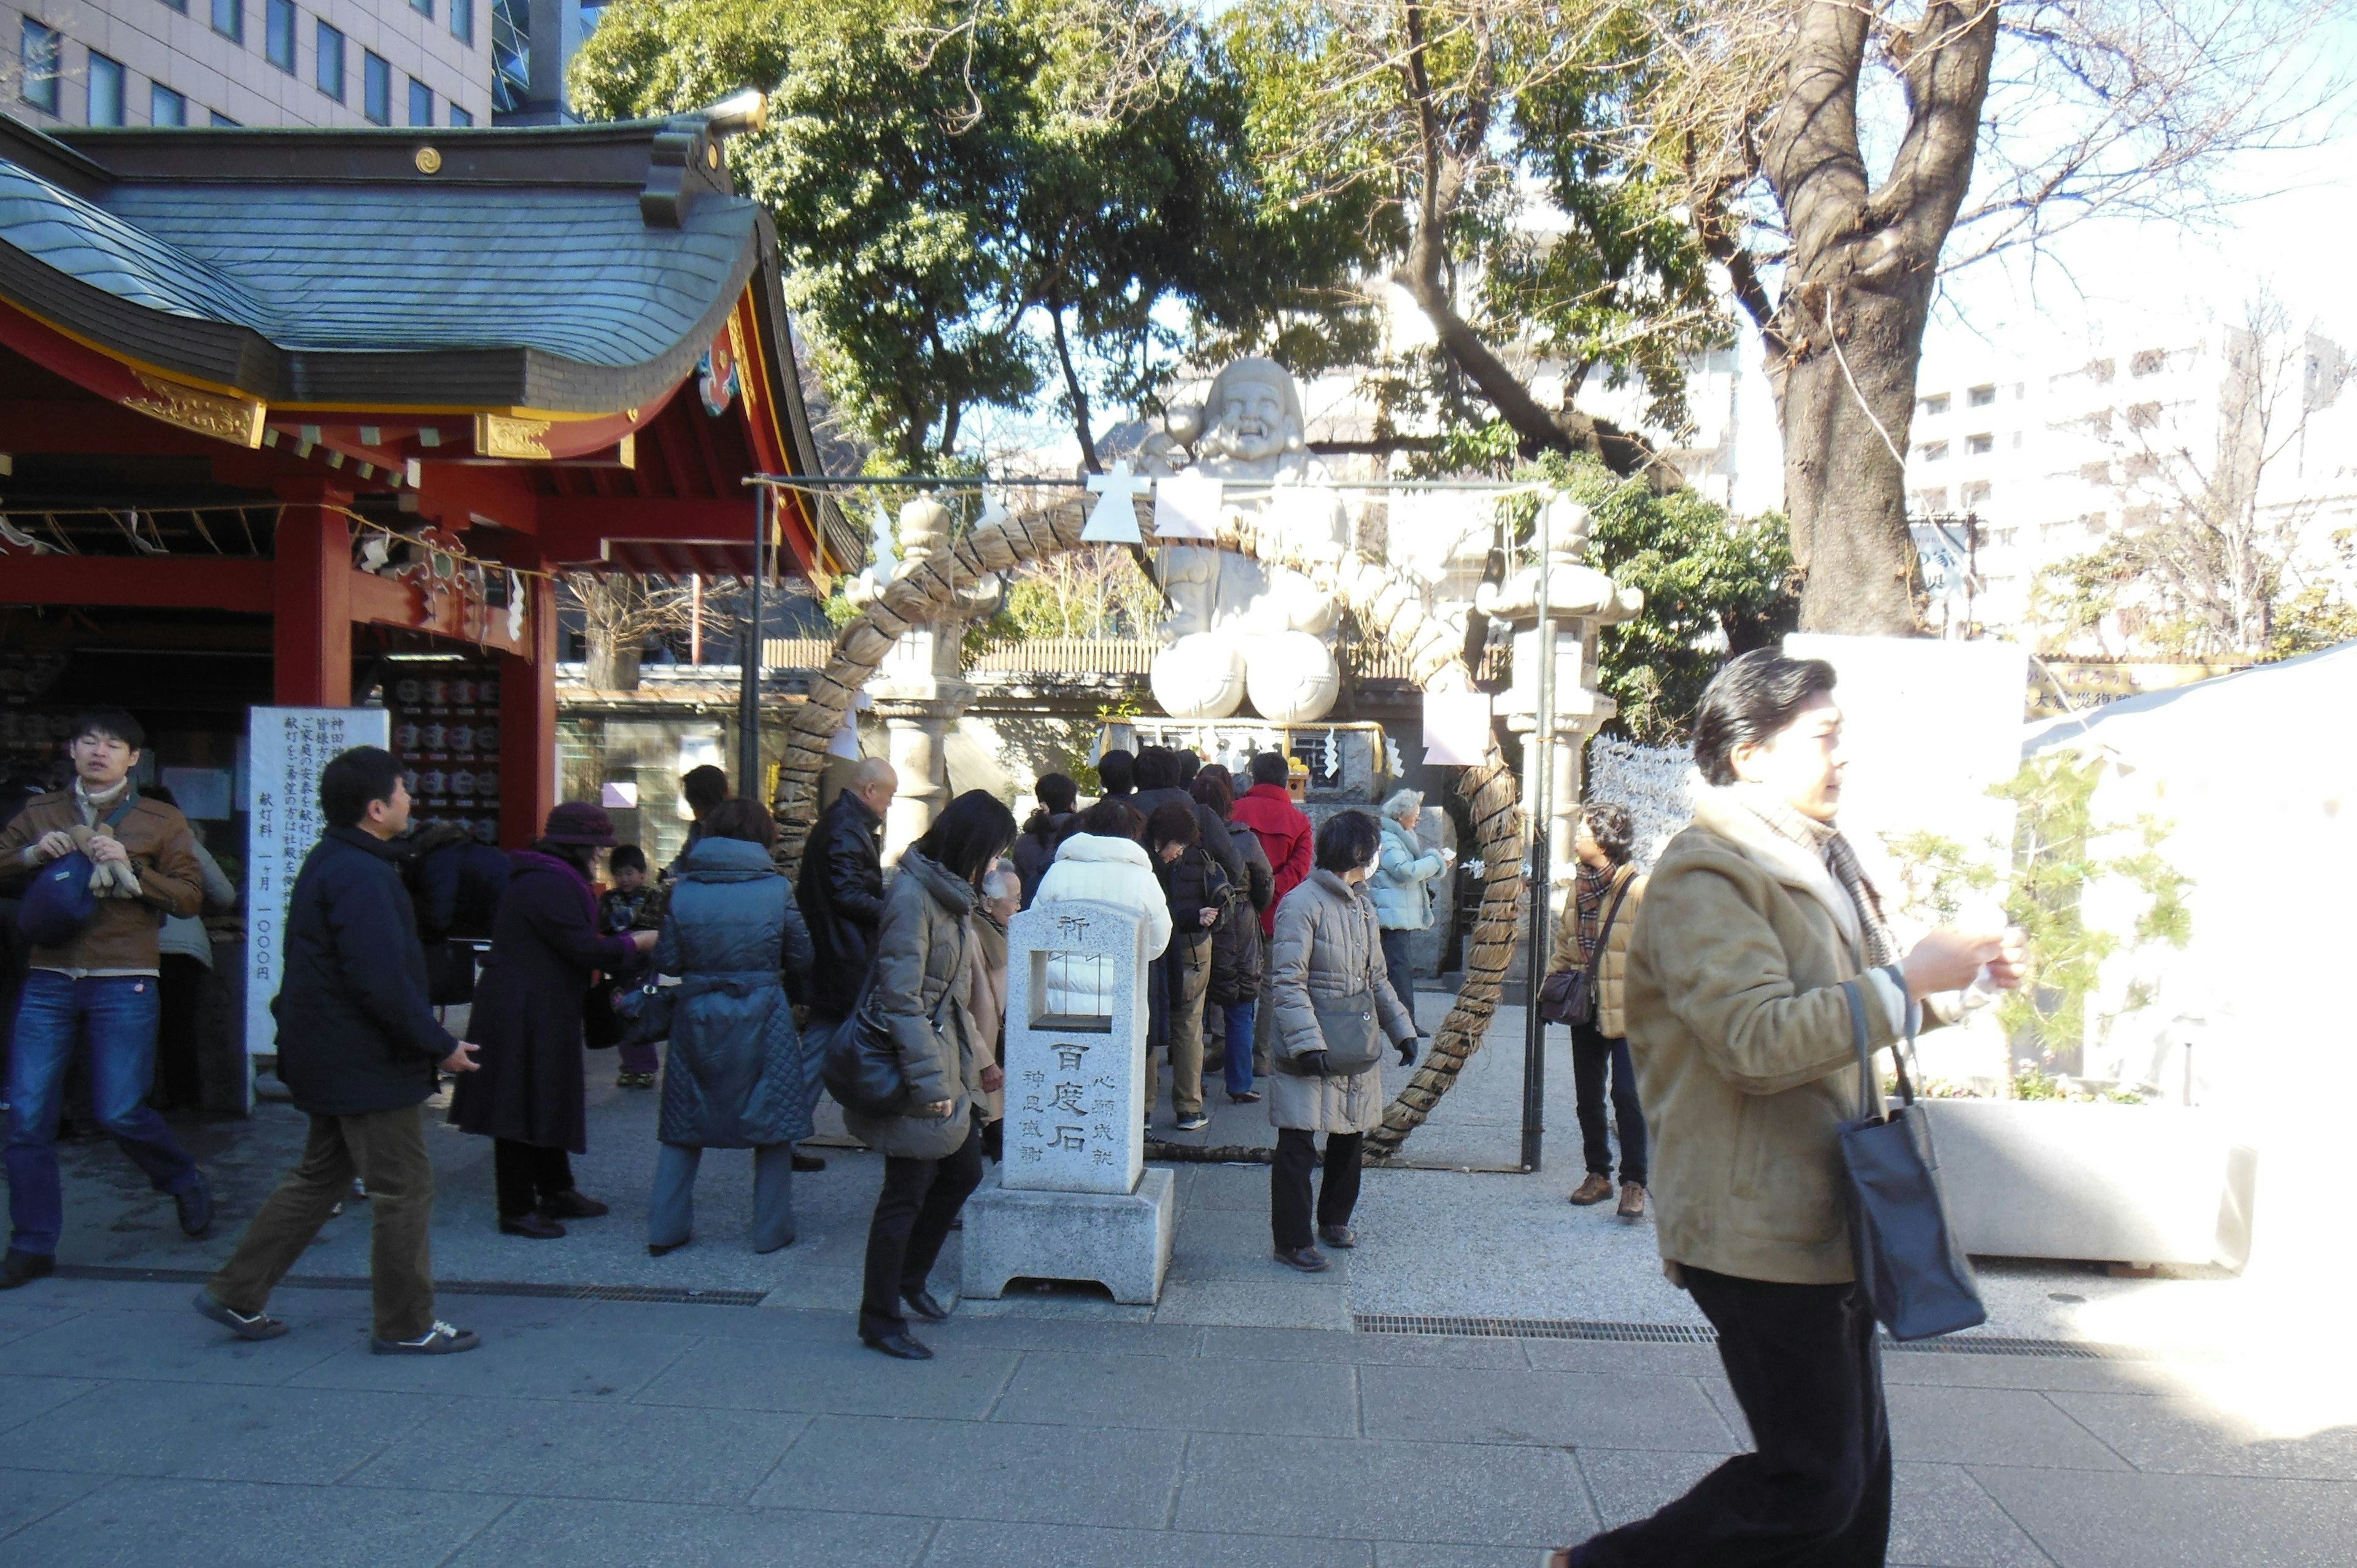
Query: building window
{"x": 1981, "y": 397}
{"x": 229, "y": 19}
{"x": 460, "y": 116}
{"x": 1975, "y": 494}
{"x": 462, "y": 21}
{"x": 376, "y": 88}
{"x": 1934, "y": 407}
{"x": 105, "y": 89}
{"x": 1980, "y": 446}
{"x": 2095, "y": 473}
{"x": 423, "y": 7}
{"x": 2101, "y": 372}
{"x": 511, "y": 54}
{"x": 331, "y": 63}
{"x": 2147, "y": 363}
{"x": 1932, "y": 451}
{"x": 221, "y": 121}
{"x": 2140, "y": 465}
{"x": 179, "y": 5}
{"x": 2143, "y": 415}
{"x": 1934, "y": 500}
{"x": 39, "y": 50}
{"x": 421, "y": 102}
{"x": 165, "y": 107}
{"x": 278, "y": 34}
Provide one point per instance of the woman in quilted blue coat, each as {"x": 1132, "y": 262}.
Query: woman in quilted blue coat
{"x": 736, "y": 1076}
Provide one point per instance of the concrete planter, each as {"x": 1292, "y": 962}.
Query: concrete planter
{"x": 2129, "y": 1183}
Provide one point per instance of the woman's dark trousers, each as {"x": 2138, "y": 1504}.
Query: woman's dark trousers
{"x": 912, "y": 1219}
{"x": 1592, "y": 1055}
{"x": 1399, "y": 968}
{"x": 1289, "y": 1184}
{"x": 1804, "y": 1365}
{"x": 528, "y": 1176}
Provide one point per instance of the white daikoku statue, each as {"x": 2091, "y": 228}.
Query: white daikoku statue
{"x": 1236, "y": 627}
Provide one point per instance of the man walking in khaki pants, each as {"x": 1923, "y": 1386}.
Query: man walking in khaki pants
{"x": 360, "y": 1049}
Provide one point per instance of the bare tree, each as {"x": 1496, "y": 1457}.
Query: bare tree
{"x": 2211, "y": 558}
{"x": 2005, "y": 122}
{"x": 620, "y": 612}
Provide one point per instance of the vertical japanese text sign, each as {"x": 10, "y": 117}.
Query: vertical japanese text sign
{"x": 288, "y": 747}
{"x": 1075, "y": 1049}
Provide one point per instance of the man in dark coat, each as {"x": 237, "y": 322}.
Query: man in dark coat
{"x": 456, "y": 880}
{"x": 528, "y": 1097}
{"x": 359, "y": 1048}
{"x": 841, "y": 890}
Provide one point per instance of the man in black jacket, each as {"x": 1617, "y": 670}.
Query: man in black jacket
{"x": 842, "y": 888}
{"x": 360, "y": 1049}
{"x": 1187, "y": 963}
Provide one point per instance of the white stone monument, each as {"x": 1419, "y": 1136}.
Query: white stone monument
{"x": 1074, "y": 1200}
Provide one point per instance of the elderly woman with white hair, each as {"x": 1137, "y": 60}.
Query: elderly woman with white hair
{"x": 1402, "y": 888}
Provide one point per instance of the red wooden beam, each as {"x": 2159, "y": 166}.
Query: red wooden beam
{"x": 177, "y": 582}
{"x": 312, "y": 634}
{"x": 457, "y": 493}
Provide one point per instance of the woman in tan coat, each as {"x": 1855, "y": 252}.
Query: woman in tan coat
{"x": 1594, "y": 929}
{"x": 919, "y": 994}
{"x": 1755, "y": 919}
{"x": 1332, "y": 995}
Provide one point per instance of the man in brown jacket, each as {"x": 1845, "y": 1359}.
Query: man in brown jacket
{"x": 99, "y": 987}
{"x": 1753, "y": 920}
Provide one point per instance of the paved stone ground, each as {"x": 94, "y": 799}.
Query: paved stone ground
{"x": 1240, "y": 1422}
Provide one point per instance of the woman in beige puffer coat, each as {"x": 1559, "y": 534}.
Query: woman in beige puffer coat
{"x": 1328, "y": 952}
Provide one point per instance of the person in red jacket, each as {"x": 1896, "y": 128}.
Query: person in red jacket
{"x": 1288, "y": 838}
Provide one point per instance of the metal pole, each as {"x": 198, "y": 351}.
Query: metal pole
{"x": 748, "y": 688}
{"x": 1541, "y": 771}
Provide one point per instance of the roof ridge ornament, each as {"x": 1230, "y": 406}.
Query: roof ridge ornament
{"x": 684, "y": 160}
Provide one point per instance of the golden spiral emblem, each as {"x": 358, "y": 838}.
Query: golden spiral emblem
{"x": 428, "y": 161}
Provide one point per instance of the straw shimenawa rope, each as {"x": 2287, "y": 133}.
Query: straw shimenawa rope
{"x": 1386, "y": 607}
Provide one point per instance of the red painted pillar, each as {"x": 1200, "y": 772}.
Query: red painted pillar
{"x": 311, "y": 595}
{"x": 528, "y": 716}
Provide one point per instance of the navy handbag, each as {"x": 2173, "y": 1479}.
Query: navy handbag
{"x": 57, "y": 901}
{"x": 1908, "y": 1256}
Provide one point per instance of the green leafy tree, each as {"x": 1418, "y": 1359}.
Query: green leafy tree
{"x": 972, "y": 199}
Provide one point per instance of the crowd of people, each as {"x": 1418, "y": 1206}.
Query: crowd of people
{"x": 1713, "y": 1019}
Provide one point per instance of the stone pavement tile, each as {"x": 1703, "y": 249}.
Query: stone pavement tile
{"x": 27, "y": 1310}
{"x": 552, "y": 1533}
{"x": 1941, "y": 1518}
{"x": 1624, "y": 1356}
{"x": 1502, "y": 1495}
{"x": 838, "y": 1376}
{"x": 816, "y": 1289}
{"x": 1631, "y": 1485}
{"x": 544, "y": 1363}
{"x": 2188, "y": 1433}
{"x": 221, "y": 1431}
{"x": 691, "y": 1322}
{"x": 169, "y": 1347}
{"x": 22, "y": 1399}
{"x": 550, "y": 1448}
{"x": 1361, "y": 1349}
{"x": 964, "y": 1543}
{"x": 1280, "y": 1298}
{"x": 1222, "y": 1243}
{"x": 957, "y": 1469}
{"x": 1989, "y": 1426}
{"x": 1054, "y": 1300}
{"x": 1421, "y": 1555}
{"x": 1553, "y": 1409}
{"x": 1014, "y": 1331}
{"x": 27, "y": 1495}
{"x": 1960, "y": 1369}
{"x": 2085, "y": 1519}
{"x": 1308, "y": 1398}
{"x": 140, "y": 1522}
{"x": 1242, "y": 1189}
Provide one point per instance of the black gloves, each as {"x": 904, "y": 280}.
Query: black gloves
{"x": 1407, "y": 1051}
{"x": 1313, "y": 1063}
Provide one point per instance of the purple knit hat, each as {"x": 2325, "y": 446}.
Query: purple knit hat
{"x": 580, "y": 823}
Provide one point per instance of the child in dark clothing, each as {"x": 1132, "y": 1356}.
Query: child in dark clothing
{"x": 619, "y": 912}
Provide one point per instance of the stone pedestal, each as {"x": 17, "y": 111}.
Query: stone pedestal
{"x": 1121, "y": 1240}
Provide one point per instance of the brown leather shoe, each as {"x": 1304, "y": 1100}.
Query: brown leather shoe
{"x": 1632, "y": 1200}
{"x": 1595, "y": 1189}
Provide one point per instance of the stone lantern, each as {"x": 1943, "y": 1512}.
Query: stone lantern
{"x": 918, "y": 691}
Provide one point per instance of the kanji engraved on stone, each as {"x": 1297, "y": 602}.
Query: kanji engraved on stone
{"x": 1069, "y": 1138}
{"x": 1069, "y": 1057}
{"x": 1068, "y": 1097}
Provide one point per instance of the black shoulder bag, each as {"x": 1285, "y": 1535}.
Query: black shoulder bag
{"x": 1569, "y": 995}
{"x": 1907, "y": 1258}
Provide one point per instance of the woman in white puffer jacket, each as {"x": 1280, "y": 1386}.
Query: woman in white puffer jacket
{"x": 1100, "y": 861}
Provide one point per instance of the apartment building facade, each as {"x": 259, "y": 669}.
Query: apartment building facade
{"x": 248, "y": 62}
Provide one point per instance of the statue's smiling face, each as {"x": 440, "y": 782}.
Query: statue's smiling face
{"x": 1253, "y": 422}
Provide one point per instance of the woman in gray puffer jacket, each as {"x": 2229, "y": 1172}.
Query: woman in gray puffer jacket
{"x": 737, "y": 1077}
{"x": 1328, "y": 956}
{"x": 917, "y": 992}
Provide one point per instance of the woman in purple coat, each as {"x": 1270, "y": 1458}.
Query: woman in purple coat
{"x": 527, "y": 1096}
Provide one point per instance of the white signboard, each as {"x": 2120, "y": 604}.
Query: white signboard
{"x": 1075, "y": 1049}
{"x": 288, "y": 747}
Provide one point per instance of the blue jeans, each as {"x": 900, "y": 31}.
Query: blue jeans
{"x": 1239, "y": 1065}
{"x": 114, "y": 1016}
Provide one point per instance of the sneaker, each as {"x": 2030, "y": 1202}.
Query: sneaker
{"x": 360, "y": 1190}
{"x": 196, "y": 1207}
{"x": 246, "y": 1325}
{"x": 439, "y": 1340}
{"x": 1193, "y": 1122}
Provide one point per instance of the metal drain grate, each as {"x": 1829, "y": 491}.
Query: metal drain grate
{"x": 1689, "y": 1334}
{"x": 667, "y": 1296}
